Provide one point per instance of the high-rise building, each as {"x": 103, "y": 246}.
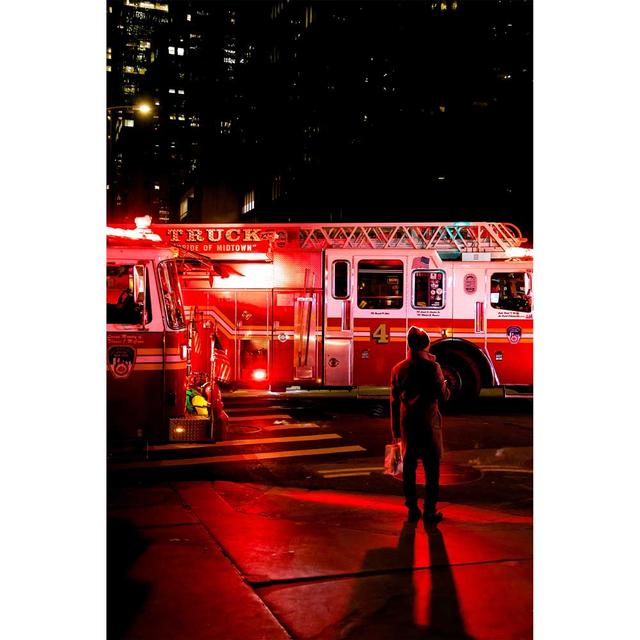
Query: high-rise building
{"x": 180, "y": 58}
{"x": 405, "y": 110}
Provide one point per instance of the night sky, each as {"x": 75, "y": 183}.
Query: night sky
{"x": 341, "y": 111}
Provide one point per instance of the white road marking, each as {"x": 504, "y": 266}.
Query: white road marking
{"x": 234, "y": 443}
{"x": 270, "y": 416}
{"x": 291, "y": 425}
{"x": 242, "y": 457}
{"x": 317, "y": 436}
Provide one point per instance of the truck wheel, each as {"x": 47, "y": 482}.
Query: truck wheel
{"x": 463, "y": 376}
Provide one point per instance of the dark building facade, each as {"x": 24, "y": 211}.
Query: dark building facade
{"x": 342, "y": 110}
{"x": 177, "y": 57}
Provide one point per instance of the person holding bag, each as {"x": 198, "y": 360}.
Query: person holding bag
{"x": 417, "y": 385}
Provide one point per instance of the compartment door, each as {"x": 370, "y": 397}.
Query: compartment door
{"x": 338, "y": 319}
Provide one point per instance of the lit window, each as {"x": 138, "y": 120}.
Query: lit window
{"x": 380, "y": 284}
{"x": 308, "y": 16}
{"x": 180, "y": 51}
{"x": 249, "y": 201}
{"x": 128, "y": 123}
{"x": 156, "y": 186}
{"x": 172, "y": 116}
{"x": 108, "y": 53}
{"x": 428, "y": 289}
{"x": 181, "y": 116}
{"x": 172, "y": 90}
{"x": 188, "y": 17}
{"x": 181, "y": 92}
{"x": 108, "y": 67}
{"x": 172, "y": 51}
{"x": 276, "y": 187}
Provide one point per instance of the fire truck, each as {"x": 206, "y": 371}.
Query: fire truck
{"x": 147, "y": 346}
{"x": 310, "y": 306}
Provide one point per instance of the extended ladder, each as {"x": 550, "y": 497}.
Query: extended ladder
{"x": 463, "y": 237}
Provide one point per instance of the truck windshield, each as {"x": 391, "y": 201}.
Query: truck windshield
{"x": 121, "y": 306}
{"x": 171, "y": 294}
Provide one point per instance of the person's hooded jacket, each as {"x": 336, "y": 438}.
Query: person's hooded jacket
{"x": 417, "y": 384}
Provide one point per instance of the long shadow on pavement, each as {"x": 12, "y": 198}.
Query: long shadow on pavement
{"x": 414, "y": 605}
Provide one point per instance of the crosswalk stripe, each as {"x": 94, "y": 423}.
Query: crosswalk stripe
{"x": 177, "y": 446}
{"x": 291, "y": 425}
{"x": 241, "y": 457}
{"x": 317, "y": 436}
{"x": 268, "y": 416}
{"x": 347, "y": 475}
{"x": 502, "y": 469}
{"x": 348, "y": 469}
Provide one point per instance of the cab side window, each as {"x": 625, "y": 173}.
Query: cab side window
{"x": 511, "y": 292}
{"x": 121, "y": 306}
{"x": 380, "y": 284}
{"x": 429, "y": 289}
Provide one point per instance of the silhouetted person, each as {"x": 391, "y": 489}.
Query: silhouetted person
{"x": 417, "y": 384}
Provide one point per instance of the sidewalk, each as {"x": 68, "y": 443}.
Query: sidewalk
{"x": 223, "y": 560}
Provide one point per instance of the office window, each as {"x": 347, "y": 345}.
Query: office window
{"x": 172, "y": 51}
{"x": 249, "y": 201}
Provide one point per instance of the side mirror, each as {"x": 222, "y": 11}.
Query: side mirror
{"x": 140, "y": 290}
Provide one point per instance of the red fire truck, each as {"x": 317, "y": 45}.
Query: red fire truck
{"x": 329, "y": 305}
{"x": 147, "y": 345}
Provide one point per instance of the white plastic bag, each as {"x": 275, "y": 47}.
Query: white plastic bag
{"x": 393, "y": 459}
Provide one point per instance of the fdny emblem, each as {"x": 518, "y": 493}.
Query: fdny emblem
{"x": 514, "y": 334}
{"x": 121, "y": 360}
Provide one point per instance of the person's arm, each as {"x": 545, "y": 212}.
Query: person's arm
{"x": 441, "y": 384}
{"x": 395, "y": 407}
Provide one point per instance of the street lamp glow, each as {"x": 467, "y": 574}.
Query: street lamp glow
{"x": 143, "y": 107}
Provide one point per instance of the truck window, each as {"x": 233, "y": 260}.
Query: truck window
{"x": 428, "y": 289}
{"x": 341, "y": 279}
{"x": 171, "y": 294}
{"x": 121, "y": 306}
{"x": 380, "y": 284}
{"x": 511, "y": 292}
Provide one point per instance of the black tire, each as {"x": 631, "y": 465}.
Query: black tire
{"x": 463, "y": 376}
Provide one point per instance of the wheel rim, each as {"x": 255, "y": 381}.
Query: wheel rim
{"x": 454, "y": 379}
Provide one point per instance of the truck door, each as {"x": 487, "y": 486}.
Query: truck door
{"x": 379, "y": 315}
{"x": 510, "y": 323}
{"x": 338, "y": 319}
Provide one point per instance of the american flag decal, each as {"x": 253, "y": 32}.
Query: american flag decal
{"x": 420, "y": 263}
